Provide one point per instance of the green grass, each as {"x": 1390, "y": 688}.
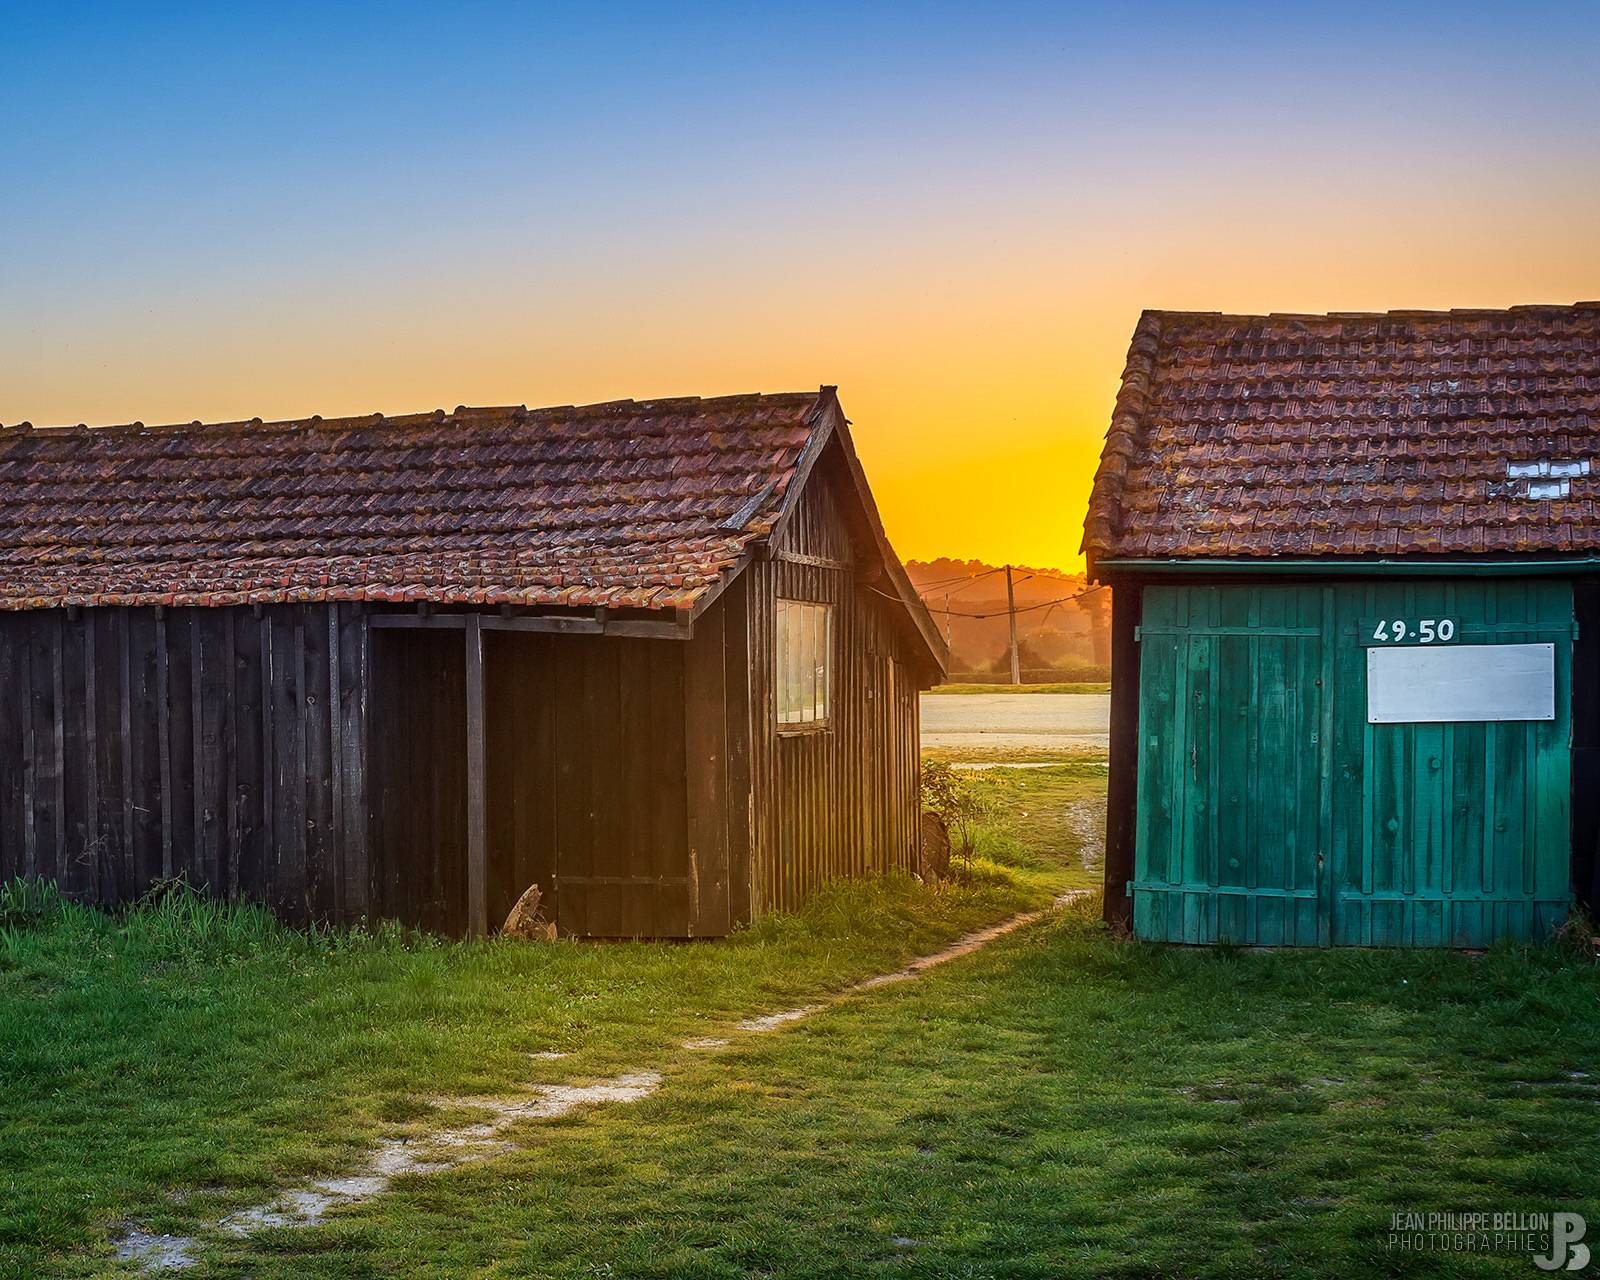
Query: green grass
{"x": 1048, "y": 821}
{"x": 1082, "y": 687}
{"x": 1059, "y": 1104}
{"x": 184, "y": 1045}
{"x": 979, "y": 752}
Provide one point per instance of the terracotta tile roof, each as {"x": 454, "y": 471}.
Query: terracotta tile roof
{"x": 621, "y": 505}
{"x": 1405, "y": 433}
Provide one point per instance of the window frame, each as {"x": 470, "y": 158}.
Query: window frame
{"x": 823, "y": 722}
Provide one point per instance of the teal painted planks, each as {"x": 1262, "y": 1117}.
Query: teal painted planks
{"x": 1271, "y": 813}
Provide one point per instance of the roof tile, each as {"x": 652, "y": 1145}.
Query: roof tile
{"x": 623, "y": 505}
{"x": 1353, "y": 434}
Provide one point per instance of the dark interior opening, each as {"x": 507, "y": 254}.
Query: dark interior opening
{"x": 584, "y": 781}
{"x": 418, "y": 749}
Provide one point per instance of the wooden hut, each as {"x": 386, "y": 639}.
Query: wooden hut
{"x": 1355, "y": 562}
{"x": 656, "y": 657}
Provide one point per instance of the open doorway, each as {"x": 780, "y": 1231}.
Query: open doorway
{"x": 543, "y": 759}
{"x": 418, "y": 779}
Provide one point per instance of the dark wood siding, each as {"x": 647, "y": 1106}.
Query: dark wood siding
{"x": 1122, "y": 784}
{"x": 138, "y": 745}
{"x": 840, "y": 801}
{"x": 586, "y": 790}
{"x": 298, "y": 756}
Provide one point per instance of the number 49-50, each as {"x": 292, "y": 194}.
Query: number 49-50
{"x": 1398, "y": 631}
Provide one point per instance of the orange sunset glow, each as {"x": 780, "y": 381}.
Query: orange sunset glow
{"x": 961, "y": 237}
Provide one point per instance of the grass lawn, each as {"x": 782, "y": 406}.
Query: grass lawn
{"x": 1055, "y": 1105}
{"x": 195, "y": 1048}
{"x": 1058, "y": 1104}
{"x": 1093, "y": 686}
{"x": 980, "y": 752}
{"x": 1048, "y": 821}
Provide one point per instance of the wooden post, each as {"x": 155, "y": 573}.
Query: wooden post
{"x": 1011, "y": 610}
{"x": 1122, "y": 784}
{"x": 477, "y": 814}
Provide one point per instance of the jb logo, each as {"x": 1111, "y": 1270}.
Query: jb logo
{"x": 1566, "y": 1248}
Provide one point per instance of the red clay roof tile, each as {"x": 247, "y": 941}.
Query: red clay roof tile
{"x": 1350, "y": 434}
{"x": 624, "y": 505}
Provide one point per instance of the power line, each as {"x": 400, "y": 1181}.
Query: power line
{"x": 989, "y": 573}
{"x": 960, "y": 577}
{"x": 1000, "y": 613}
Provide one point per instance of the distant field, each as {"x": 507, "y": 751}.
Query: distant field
{"x": 1091, "y": 687}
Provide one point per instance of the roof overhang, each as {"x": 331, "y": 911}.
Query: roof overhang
{"x": 1371, "y": 567}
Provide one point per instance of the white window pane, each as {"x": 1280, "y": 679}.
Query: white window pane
{"x": 804, "y": 660}
{"x": 819, "y": 663}
{"x": 825, "y": 668}
{"x": 788, "y": 675}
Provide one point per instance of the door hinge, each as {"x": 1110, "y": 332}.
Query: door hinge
{"x": 1138, "y": 634}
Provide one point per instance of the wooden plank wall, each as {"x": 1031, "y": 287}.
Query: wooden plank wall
{"x": 844, "y": 801}
{"x": 226, "y": 746}
{"x": 1272, "y": 813}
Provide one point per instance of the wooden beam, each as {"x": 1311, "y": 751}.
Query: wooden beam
{"x": 477, "y": 806}
{"x": 420, "y": 621}
{"x": 815, "y": 562}
{"x": 546, "y": 624}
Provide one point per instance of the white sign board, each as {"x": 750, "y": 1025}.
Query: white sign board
{"x": 1434, "y": 684}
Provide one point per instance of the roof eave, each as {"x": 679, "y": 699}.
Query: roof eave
{"x": 1109, "y": 568}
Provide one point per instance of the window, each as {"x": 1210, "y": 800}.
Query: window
{"x": 805, "y": 664}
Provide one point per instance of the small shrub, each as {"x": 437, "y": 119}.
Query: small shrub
{"x": 957, "y": 799}
{"x": 1577, "y": 934}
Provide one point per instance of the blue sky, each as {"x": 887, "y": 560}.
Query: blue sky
{"x": 955, "y": 212}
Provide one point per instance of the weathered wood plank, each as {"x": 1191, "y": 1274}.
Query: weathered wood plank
{"x": 351, "y": 711}
{"x": 14, "y": 706}
{"x": 81, "y": 791}
{"x": 251, "y": 765}
{"x": 737, "y": 720}
{"x": 477, "y": 786}
{"x": 322, "y": 869}
{"x": 705, "y": 748}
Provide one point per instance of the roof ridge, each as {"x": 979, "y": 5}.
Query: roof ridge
{"x": 343, "y": 422}
{"x": 1397, "y": 313}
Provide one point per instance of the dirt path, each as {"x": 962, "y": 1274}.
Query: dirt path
{"x": 485, "y": 1136}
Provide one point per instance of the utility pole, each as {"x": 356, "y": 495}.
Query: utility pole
{"x": 947, "y": 619}
{"x": 1011, "y": 608}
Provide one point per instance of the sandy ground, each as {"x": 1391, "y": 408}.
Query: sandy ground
{"x": 1048, "y": 721}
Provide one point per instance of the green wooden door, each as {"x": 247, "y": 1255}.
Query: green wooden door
{"x": 1230, "y": 766}
{"x": 1272, "y": 813}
